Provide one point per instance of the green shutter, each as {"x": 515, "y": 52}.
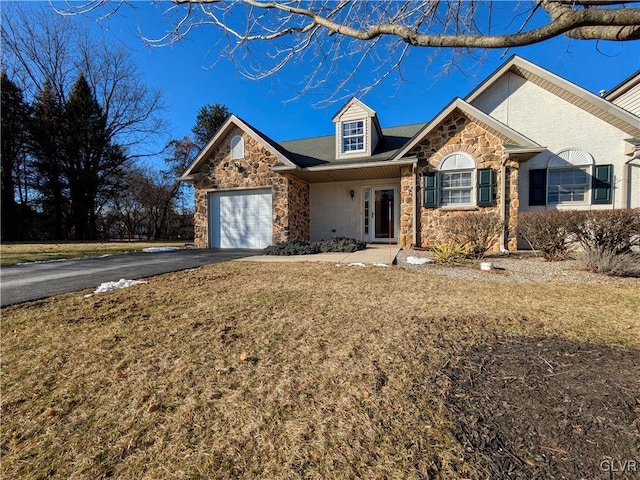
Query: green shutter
{"x": 485, "y": 187}
{"x": 538, "y": 187}
{"x": 601, "y": 186}
{"x": 430, "y": 190}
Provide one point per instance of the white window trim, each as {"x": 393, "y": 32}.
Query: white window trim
{"x": 462, "y": 163}
{"x": 237, "y": 147}
{"x": 587, "y": 192}
{"x": 573, "y": 159}
{"x": 343, "y": 136}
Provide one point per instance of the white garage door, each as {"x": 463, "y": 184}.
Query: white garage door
{"x": 240, "y": 219}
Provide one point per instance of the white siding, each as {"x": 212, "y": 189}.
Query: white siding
{"x": 553, "y": 123}
{"x": 333, "y": 212}
{"x": 630, "y": 100}
{"x": 352, "y": 114}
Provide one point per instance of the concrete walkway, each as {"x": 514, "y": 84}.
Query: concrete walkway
{"x": 373, "y": 254}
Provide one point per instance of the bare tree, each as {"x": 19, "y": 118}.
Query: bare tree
{"x": 342, "y": 38}
{"x": 41, "y": 48}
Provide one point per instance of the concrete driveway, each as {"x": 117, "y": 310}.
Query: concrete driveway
{"x": 32, "y": 281}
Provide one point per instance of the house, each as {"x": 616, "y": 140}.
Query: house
{"x": 525, "y": 139}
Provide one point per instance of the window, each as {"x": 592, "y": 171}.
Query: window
{"x": 567, "y": 185}
{"x": 353, "y": 136}
{"x": 571, "y": 178}
{"x": 458, "y": 184}
{"x": 456, "y": 188}
{"x": 237, "y": 148}
{"x": 457, "y": 172}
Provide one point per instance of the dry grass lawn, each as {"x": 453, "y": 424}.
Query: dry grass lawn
{"x": 244, "y": 370}
{"x": 14, "y": 253}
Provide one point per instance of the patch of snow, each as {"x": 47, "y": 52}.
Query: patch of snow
{"x": 122, "y": 283}
{"x": 383, "y": 265}
{"x": 357, "y": 264}
{"x": 418, "y": 260}
{"x": 159, "y": 249}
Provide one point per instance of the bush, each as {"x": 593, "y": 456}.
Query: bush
{"x": 607, "y": 238}
{"x": 294, "y": 247}
{"x": 449, "y": 252}
{"x": 477, "y": 232}
{"x": 341, "y": 244}
{"x": 601, "y": 260}
{"x": 548, "y": 231}
{"x": 614, "y": 231}
{"x": 301, "y": 247}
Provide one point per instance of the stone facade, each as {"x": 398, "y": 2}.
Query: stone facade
{"x": 457, "y": 133}
{"x": 219, "y": 173}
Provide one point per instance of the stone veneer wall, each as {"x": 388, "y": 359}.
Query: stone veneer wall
{"x": 219, "y": 172}
{"x": 457, "y": 134}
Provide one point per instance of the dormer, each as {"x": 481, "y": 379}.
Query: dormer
{"x": 357, "y": 130}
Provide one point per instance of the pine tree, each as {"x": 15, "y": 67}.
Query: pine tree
{"x": 46, "y": 129}
{"x": 13, "y": 137}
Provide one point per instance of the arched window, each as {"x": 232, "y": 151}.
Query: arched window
{"x": 568, "y": 177}
{"x": 237, "y": 147}
{"x": 457, "y": 175}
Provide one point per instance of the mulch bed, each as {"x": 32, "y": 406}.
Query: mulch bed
{"x": 547, "y": 408}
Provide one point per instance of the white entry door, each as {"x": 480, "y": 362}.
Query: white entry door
{"x": 240, "y": 219}
{"x": 383, "y": 205}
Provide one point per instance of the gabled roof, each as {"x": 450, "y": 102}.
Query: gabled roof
{"x": 352, "y": 101}
{"x": 623, "y": 87}
{"x": 370, "y": 112}
{"x": 507, "y": 134}
{"x": 231, "y": 123}
{"x": 564, "y": 89}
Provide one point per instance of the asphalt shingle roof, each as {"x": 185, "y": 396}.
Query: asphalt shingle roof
{"x": 310, "y": 152}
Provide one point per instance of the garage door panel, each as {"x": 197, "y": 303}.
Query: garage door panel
{"x": 241, "y": 219}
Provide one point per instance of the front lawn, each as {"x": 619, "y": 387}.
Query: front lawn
{"x": 245, "y": 370}
{"x": 14, "y": 253}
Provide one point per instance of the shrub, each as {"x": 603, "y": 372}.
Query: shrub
{"x": 477, "y": 232}
{"x": 301, "y": 247}
{"x": 294, "y": 247}
{"x": 548, "y": 231}
{"x": 449, "y": 252}
{"x": 341, "y": 244}
{"x": 607, "y": 238}
{"x": 614, "y": 231}
{"x": 601, "y": 260}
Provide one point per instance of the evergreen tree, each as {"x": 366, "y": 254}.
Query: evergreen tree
{"x": 13, "y": 137}
{"x": 208, "y": 121}
{"x": 46, "y": 129}
{"x": 90, "y": 160}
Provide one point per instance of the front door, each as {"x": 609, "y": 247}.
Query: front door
{"x": 383, "y": 215}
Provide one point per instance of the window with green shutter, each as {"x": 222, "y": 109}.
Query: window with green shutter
{"x": 601, "y": 184}
{"x": 430, "y": 199}
{"x": 485, "y": 187}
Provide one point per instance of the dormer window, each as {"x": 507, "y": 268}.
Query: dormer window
{"x": 353, "y": 136}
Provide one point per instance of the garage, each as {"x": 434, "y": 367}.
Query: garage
{"x": 240, "y": 219}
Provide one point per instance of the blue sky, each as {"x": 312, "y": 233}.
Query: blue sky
{"x": 182, "y": 72}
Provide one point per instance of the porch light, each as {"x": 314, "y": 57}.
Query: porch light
{"x": 352, "y": 193}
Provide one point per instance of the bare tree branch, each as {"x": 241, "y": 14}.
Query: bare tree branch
{"x": 263, "y": 37}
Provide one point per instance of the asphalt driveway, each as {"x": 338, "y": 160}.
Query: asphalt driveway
{"x": 32, "y": 281}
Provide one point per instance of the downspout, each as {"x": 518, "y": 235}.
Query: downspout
{"x": 414, "y": 171}
{"x": 503, "y": 203}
